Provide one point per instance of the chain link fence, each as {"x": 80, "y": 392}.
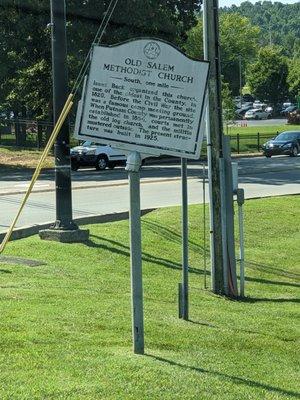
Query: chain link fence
{"x": 26, "y": 133}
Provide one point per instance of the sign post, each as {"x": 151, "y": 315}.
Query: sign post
{"x": 145, "y": 97}
{"x": 133, "y": 167}
{"x": 185, "y": 242}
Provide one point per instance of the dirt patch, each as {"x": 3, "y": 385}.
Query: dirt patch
{"x": 24, "y": 158}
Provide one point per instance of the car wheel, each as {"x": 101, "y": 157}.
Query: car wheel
{"x": 74, "y": 165}
{"x": 294, "y": 151}
{"x": 101, "y": 163}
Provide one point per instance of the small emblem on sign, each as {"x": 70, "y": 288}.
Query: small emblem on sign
{"x": 152, "y": 50}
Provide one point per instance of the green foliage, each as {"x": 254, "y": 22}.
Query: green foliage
{"x": 228, "y": 105}
{"x": 25, "y": 47}
{"x": 293, "y": 78}
{"x": 25, "y": 41}
{"x": 194, "y": 43}
{"x": 267, "y": 77}
{"x": 238, "y": 38}
{"x": 279, "y": 23}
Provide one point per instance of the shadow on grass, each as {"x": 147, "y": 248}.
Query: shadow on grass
{"x": 191, "y": 321}
{"x": 5, "y": 271}
{"x": 169, "y": 234}
{"x": 119, "y": 248}
{"x": 268, "y": 282}
{"x": 272, "y": 270}
{"x": 271, "y": 300}
{"x": 232, "y": 378}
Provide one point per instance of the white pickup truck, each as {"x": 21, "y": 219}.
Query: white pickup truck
{"x": 95, "y": 155}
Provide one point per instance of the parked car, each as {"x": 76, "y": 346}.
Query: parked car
{"x": 94, "y": 155}
{"x": 257, "y": 105}
{"x": 257, "y": 114}
{"x": 248, "y": 98}
{"x": 286, "y": 104}
{"x": 269, "y": 109}
{"x": 285, "y": 143}
{"x": 240, "y": 112}
{"x": 285, "y": 112}
{"x": 294, "y": 117}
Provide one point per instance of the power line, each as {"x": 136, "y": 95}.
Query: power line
{"x": 97, "y": 40}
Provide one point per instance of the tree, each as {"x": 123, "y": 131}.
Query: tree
{"x": 267, "y": 77}
{"x": 25, "y": 50}
{"x": 238, "y": 38}
{"x": 293, "y": 78}
{"x": 279, "y": 23}
{"x": 228, "y": 105}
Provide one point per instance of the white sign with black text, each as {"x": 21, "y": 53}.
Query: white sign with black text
{"x": 144, "y": 95}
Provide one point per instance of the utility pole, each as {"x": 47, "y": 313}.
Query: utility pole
{"x": 241, "y": 80}
{"x": 223, "y": 259}
{"x": 64, "y": 218}
{"x": 214, "y": 140}
{"x": 64, "y": 228}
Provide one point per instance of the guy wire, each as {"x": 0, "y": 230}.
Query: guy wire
{"x": 97, "y": 40}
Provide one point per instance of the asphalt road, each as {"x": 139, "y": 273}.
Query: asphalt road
{"x": 107, "y": 191}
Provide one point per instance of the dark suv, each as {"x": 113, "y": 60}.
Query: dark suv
{"x": 285, "y": 143}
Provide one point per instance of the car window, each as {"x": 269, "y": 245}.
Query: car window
{"x": 288, "y": 136}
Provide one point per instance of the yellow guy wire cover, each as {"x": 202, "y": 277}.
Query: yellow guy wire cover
{"x": 65, "y": 111}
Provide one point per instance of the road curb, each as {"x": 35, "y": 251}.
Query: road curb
{"x": 27, "y": 231}
{"x": 30, "y": 230}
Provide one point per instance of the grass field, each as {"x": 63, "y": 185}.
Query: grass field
{"x": 65, "y": 327}
{"x": 14, "y": 157}
{"x": 250, "y": 139}
{"x": 265, "y": 129}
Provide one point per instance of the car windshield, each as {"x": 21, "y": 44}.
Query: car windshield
{"x": 89, "y": 144}
{"x": 288, "y": 136}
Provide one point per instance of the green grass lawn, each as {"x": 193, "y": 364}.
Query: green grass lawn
{"x": 268, "y": 130}
{"x": 251, "y": 138}
{"x": 65, "y": 327}
{"x": 16, "y": 158}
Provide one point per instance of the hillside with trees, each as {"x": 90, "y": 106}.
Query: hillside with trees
{"x": 279, "y": 23}
{"x": 262, "y": 42}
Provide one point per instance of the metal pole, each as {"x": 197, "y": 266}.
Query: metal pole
{"x": 180, "y": 300}
{"x": 214, "y": 139}
{"x": 133, "y": 168}
{"x": 240, "y": 201}
{"x": 185, "y": 242}
{"x": 64, "y": 219}
{"x": 204, "y": 227}
{"x": 230, "y": 262}
{"x": 241, "y": 81}
{"x": 224, "y": 236}
{"x": 242, "y": 251}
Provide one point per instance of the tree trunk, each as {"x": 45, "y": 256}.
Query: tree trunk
{"x": 39, "y": 136}
{"x": 23, "y": 127}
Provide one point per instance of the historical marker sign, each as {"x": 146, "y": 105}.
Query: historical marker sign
{"x": 144, "y": 95}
